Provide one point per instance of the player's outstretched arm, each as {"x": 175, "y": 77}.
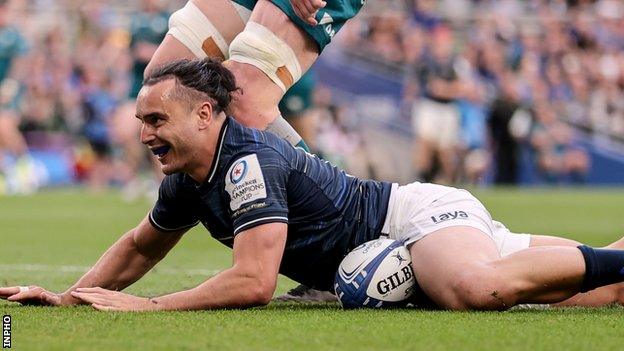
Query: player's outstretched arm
{"x": 127, "y": 260}
{"x": 307, "y": 9}
{"x": 251, "y": 281}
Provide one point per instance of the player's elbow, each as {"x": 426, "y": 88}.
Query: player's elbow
{"x": 261, "y": 293}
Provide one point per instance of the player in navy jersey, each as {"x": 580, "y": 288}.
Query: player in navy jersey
{"x": 268, "y": 45}
{"x": 285, "y": 211}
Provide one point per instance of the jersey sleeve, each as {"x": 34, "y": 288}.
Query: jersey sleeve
{"x": 174, "y": 208}
{"x": 255, "y": 186}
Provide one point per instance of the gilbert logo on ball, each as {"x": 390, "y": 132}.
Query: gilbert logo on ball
{"x": 375, "y": 274}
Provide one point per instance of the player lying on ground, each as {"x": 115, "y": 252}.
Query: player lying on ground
{"x": 266, "y": 46}
{"x": 285, "y": 211}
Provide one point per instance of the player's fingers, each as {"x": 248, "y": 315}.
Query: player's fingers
{"x": 308, "y": 8}
{"x": 8, "y": 291}
{"x": 88, "y": 297}
{"x": 297, "y": 9}
{"x": 311, "y": 21}
{"x": 50, "y": 299}
{"x": 318, "y": 4}
{"x": 25, "y": 294}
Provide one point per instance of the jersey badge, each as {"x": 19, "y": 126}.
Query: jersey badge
{"x": 244, "y": 181}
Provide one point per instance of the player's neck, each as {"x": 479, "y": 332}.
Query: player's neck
{"x": 206, "y": 154}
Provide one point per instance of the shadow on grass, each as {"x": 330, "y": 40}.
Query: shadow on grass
{"x": 280, "y": 305}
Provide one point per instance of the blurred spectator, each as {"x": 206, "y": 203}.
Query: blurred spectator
{"x": 98, "y": 105}
{"x": 16, "y": 168}
{"x": 558, "y": 160}
{"x": 148, "y": 28}
{"x": 338, "y": 139}
{"x": 474, "y": 157}
{"x": 435, "y": 115}
{"x": 505, "y": 147}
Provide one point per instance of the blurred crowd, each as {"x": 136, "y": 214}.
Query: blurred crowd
{"x": 482, "y": 79}
{"x": 494, "y": 74}
{"x": 69, "y": 73}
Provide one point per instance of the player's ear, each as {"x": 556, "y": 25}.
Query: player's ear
{"x": 204, "y": 114}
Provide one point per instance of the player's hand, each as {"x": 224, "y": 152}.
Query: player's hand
{"x": 307, "y": 9}
{"x": 36, "y": 295}
{"x": 109, "y": 300}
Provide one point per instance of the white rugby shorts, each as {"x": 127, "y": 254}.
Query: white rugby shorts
{"x": 436, "y": 122}
{"x": 419, "y": 209}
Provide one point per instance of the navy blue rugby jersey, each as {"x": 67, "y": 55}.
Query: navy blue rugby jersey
{"x": 257, "y": 178}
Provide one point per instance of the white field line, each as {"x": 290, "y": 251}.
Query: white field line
{"x": 24, "y": 267}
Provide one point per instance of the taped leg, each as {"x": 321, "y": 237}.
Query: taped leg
{"x": 202, "y": 28}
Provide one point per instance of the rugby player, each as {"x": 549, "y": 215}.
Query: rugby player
{"x": 265, "y": 44}
{"x": 268, "y": 45}
{"x": 283, "y": 210}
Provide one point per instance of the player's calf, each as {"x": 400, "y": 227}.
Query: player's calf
{"x": 255, "y": 103}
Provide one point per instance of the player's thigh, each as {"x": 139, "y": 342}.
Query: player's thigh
{"x": 169, "y": 50}
{"x": 448, "y": 263}
{"x": 274, "y": 19}
{"x": 202, "y": 28}
{"x": 227, "y": 17}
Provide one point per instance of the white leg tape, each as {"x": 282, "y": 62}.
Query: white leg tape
{"x": 191, "y": 28}
{"x": 258, "y": 46}
{"x": 284, "y": 130}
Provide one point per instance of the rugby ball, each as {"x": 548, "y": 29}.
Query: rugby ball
{"x": 375, "y": 274}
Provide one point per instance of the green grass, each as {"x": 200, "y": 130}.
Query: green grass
{"x": 49, "y": 238}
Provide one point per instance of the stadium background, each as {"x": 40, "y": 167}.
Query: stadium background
{"x": 538, "y": 90}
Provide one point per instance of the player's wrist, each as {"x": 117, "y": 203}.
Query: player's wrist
{"x": 66, "y": 299}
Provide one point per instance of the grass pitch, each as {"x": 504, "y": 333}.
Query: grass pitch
{"x": 51, "y": 238}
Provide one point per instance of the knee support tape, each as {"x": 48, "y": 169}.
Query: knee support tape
{"x": 191, "y": 27}
{"x": 258, "y": 46}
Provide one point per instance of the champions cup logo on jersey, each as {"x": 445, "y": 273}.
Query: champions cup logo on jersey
{"x": 245, "y": 182}
{"x": 238, "y": 172}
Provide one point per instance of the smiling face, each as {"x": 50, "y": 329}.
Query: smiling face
{"x": 172, "y": 129}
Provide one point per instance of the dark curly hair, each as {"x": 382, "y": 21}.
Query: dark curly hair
{"x": 197, "y": 80}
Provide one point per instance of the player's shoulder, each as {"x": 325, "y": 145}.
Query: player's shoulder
{"x": 241, "y": 141}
